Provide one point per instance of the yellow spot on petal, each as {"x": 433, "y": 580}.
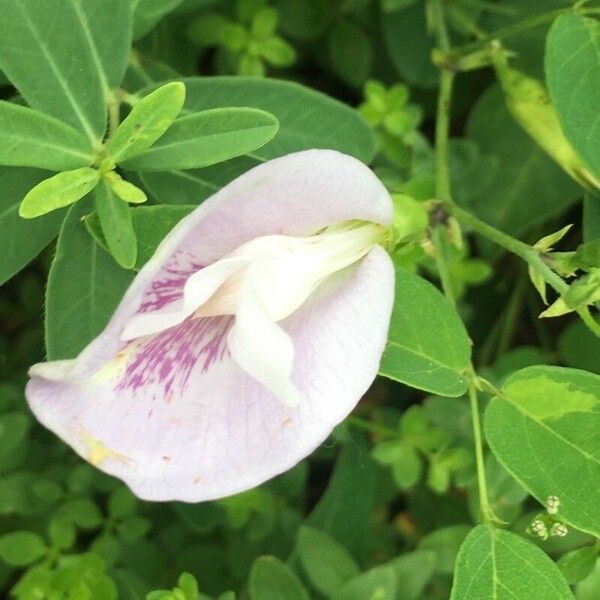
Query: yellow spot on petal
{"x": 196, "y": 480}
{"x": 287, "y": 422}
{"x": 114, "y": 368}
{"x": 100, "y": 452}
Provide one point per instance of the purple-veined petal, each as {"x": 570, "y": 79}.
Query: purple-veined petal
{"x": 173, "y": 414}
{"x": 217, "y": 431}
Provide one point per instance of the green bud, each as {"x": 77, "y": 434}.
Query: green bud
{"x": 410, "y": 219}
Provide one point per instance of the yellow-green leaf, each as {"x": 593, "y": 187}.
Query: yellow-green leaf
{"x": 147, "y": 122}
{"x": 125, "y": 189}
{"x": 116, "y": 225}
{"x": 58, "y": 191}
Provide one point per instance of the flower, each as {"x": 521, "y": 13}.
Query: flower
{"x": 254, "y": 329}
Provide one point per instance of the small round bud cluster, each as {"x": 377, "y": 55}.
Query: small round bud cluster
{"x": 558, "y": 530}
{"x": 552, "y": 504}
{"x": 539, "y": 528}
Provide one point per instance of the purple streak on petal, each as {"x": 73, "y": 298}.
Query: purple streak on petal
{"x": 167, "y": 286}
{"x": 168, "y": 358}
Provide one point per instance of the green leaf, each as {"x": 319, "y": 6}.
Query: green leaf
{"x": 83, "y": 271}
{"x": 344, "y": 510}
{"x": 578, "y": 564}
{"x": 545, "y": 413}
{"x": 208, "y": 137}
{"x": 21, "y": 548}
{"x": 192, "y": 187}
{"x": 150, "y": 223}
{"x": 588, "y": 588}
{"x": 307, "y": 119}
{"x": 591, "y": 217}
{"x": 493, "y": 563}
{"x": 22, "y": 240}
{"x": 149, "y": 12}
{"x": 66, "y": 75}
{"x": 445, "y": 543}
{"x": 350, "y": 53}
{"x": 62, "y": 532}
{"x": 428, "y": 346}
{"x": 83, "y": 512}
{"x": 125, "y": 189}
{"x": 573, "y": 74}
{"x": 377, "y": 584}
{"x": 270, "y": 579}
{"x": 523, "y": 172}
{"x": 33, "y": 139}
{"x": 326, "y": 562}
{"x": 579, "y": 347}
{"x": 413, "y": 571}
{"x": 147, "y": 122}
{"x": 58, "y": 191}
{"x": 409, "y": 45}
{"x": 117, "y": 226}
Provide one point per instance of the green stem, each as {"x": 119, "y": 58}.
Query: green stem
{"x": 114, "y": 106}
{"x": 515, "y": 29}
{"x": 442, "y": 134}
{"x": 438, "y": 237}
{"x": 443, "y": 193}
{"x": 371, "y": 427}
{"x": 484, "y": 504}
{"x": 529, "y": 254}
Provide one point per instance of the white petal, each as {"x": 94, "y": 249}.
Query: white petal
{"x": 260, "y": 347}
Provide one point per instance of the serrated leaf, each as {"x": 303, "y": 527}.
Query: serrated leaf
{"x": 30, "y": 138}
{"x": 326, "y": 562}
{"x": 66, "y": 75}
{"x": 206, "y": 138}
{"x": 117, "y": 226}
{"x": 147, "y": 122}
{"x": 545, "y": 413}
{"x": 428, "y": 346}
{"x": 493, "y": 563}
{"x": 573, "y": 75}
{"x": 21, "y": 548}
{"x": 22, "y": 239}
{"x": 58, "y": 191}
{"x": 270, "y": 579}
{"x": 81, "y": 270}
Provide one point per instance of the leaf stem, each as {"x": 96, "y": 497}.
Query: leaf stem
{"x": 484, "y": 505}
{"x": 515, "y": 29}
{"x": 371, "y": 427}
{"x": 443, "y": 193}
{"x": 529, "y": 254}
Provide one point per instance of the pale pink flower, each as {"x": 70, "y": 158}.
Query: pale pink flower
{"x": 255, "y": 329}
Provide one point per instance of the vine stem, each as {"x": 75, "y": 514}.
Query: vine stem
{"x": 443, "y": 193}
{"x": 529, "y": 254}
{"x": 484, "y": 505}
{"x": 371, "y": 426}
{"x": 515, "y": 29}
